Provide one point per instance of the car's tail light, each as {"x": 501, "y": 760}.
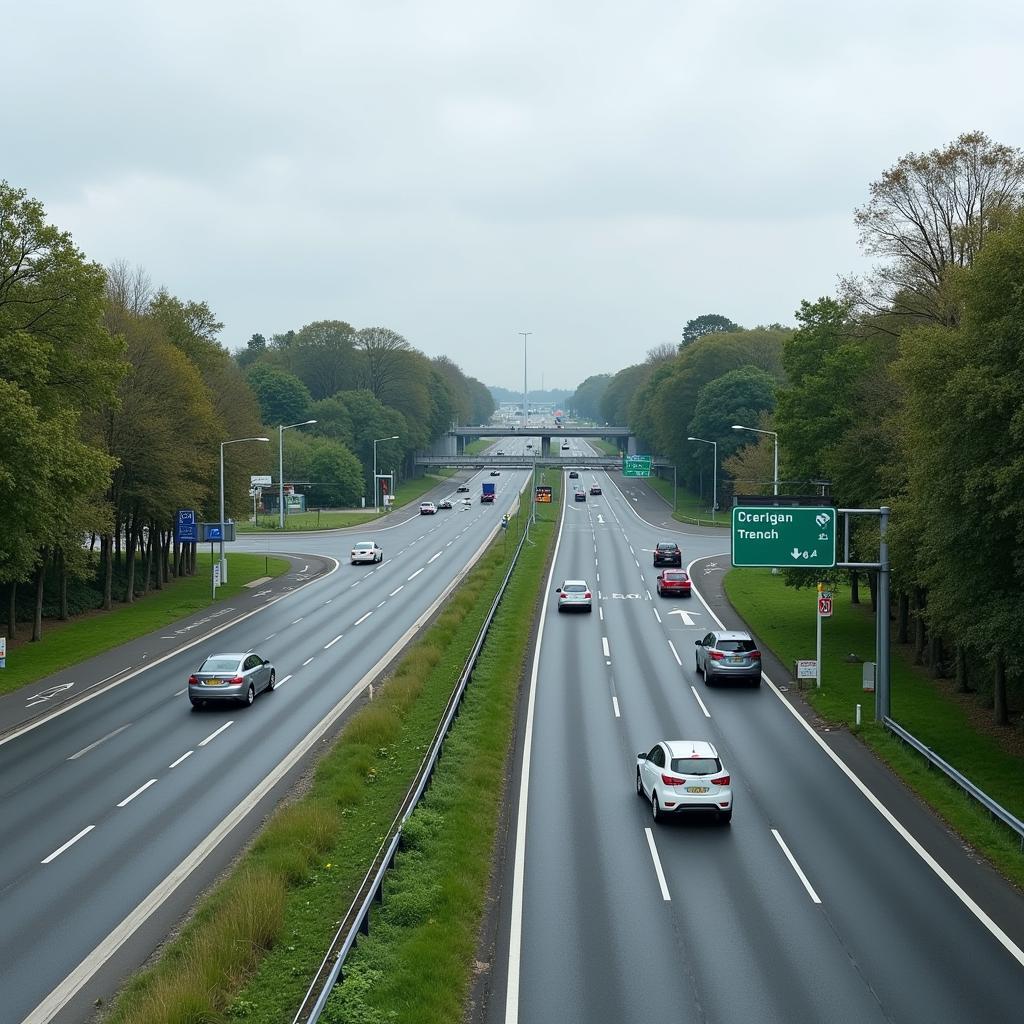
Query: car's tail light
{"x": 715, "y": 655}
{"x": 755, "y": 654}
{"x": 237, "y": 681}
{"x": 671, "y": 780}
{"x": 722, "y": 780}
{"x": 587, "y": 595}
{"x": 193, "y": 681}
{"x": 561, "y": 597}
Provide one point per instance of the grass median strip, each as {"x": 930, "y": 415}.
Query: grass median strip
{"x": 783, "y": 619}
{"x": 252, "y": 947}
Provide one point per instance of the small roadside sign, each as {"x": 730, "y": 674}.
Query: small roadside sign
{"x": 3, "y": 652}
{"x": 807, "y": 669}
{"x": 188, "y": 531}
{"x": 825, "y": 605}
{"x": 260, "y": 481}
{"x": 216, "y": 574}
{"x": 543, "y": 493}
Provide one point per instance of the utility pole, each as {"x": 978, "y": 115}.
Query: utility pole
{"x": 526, "y": 400}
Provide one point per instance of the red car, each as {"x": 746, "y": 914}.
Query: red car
{"x": 673, "y": 582}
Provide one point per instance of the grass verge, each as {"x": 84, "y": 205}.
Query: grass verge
{"x": 254, "y": 961}
{"x": 481, "y": 444}
{"x": 68, "y": 643}
{"x": 336, "y": 519}
{"x": 690, "y": 508}
{"x": 784, "y": 620}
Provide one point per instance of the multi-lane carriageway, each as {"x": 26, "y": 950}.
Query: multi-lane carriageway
{"x": 818, "y": 903}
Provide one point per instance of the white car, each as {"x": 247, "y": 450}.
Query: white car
{"x": 574, "y": 595}
{"x": 467, "y": 503}
{"x": 367, "y": 551}
{"x": 677, "y": 776}
{"x": 427, "y": 508}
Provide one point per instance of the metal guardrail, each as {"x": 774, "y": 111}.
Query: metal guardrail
{"x": 357, "y": 920}
{"x": 997, "y": 810}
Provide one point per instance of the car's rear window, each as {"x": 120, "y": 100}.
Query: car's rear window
{"x": 696, "y": 765}
{"x": 574, "y": 588}
{"x": 364, "y": 544}
{"x": 675, "y": 576}
{"x": 741, "y": 646}
{"x": 219, "y": 665}
{"x": 666, "y": 547}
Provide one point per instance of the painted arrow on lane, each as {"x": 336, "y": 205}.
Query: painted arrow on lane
{"x": 685, "y": 616}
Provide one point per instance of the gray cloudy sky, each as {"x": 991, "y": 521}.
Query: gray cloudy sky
{"x": 597, "y": 173}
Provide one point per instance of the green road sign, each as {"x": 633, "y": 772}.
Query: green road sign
{"x": 776, "y": 535}
{"x": 636, "y": 465}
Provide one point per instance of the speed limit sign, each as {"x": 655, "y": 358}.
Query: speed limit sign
{"x": 825, "y": 606}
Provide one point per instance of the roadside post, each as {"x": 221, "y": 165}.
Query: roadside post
{"x": 3, "y": 652}
{"x": 824, "y": 612}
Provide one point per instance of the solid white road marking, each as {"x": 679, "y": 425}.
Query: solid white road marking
{"x": 142, "y": 789}
{"x": 395, "y": 591}
{"x": 707, "y": 714}
{"x": 188, "y": 753}
{"x": 214, "y": 735}
{"x": 334, "y": 641}
{"x": 363, "y": 618}
{"x": 615, "y": 704}
{"x": 432, "y": 557}
{"x": 604, "y": 647}
{"x": 657, "y": 866}
{"x": 71, "y": 842}
{"x": 414, "y": 575}
{"x": 675, "y": 654}
{"x": 103, "y": 739}
{"x": 306, "y": 662}
{"x": 796, "y": 867}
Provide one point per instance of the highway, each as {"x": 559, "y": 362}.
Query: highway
{"x": 811, "y": 906}
{"x": 115, "y": 813}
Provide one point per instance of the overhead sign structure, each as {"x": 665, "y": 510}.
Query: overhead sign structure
{"x": 636, "y": 465}
{"x": 187, "y": 529}
{"x": 780, "y": 536}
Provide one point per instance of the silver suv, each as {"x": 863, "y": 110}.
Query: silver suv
{"x": 728, "y": 654}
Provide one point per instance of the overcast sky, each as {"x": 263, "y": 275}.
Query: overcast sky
{"x": 596, "y": 173}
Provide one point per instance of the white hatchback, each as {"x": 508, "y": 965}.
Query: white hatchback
{"x": 677, "y": 776}
{"x": 574, "y": 595}
{"x": 427, "y": 508}
{"x": 366, "y": 551}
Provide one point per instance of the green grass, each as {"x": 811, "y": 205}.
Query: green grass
{"x": 334, "y": 519}
{"x": 603, "y": 446}
{"x": 312, "y": 856}
{"x": 481, "y": 444}
{"x": 66, "y": 644}
{"x": 784, "y": 620}
{"x": 690, "y": 508}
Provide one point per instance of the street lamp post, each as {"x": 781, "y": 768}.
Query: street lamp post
{"x": 393, "y": 437}
{"x": 223, "y": 558}
{"x": 714, "y": 492}
{"x": 772, "y": 433}
{"x": 280, "y": 467}
{"x": 526, "y": 400}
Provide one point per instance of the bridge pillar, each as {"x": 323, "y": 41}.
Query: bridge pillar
{"x": 631, "y": 445}
{"x": 545, "y": 446}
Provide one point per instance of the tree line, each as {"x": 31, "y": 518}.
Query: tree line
{"x": 115, "y": 396}
{"x": 899, "y": 389}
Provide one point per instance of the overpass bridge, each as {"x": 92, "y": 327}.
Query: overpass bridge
{"x": 545, "y": 432}
{"x": 611, "y": 463}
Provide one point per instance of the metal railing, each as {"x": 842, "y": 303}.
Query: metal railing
{"x": 357, "y": 920}
{"x": 996, "y": 810}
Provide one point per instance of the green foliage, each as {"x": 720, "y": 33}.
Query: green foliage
{"x": 283, "y": 398}
{"x": 336, "y": 472}
{"x": 709, "y": 323}
{"x": 586, "y": 402}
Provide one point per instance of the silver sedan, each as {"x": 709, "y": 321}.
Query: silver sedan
{"x": 231, "y": 677}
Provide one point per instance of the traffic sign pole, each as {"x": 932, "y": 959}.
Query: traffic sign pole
{"x": 818, "y": 645}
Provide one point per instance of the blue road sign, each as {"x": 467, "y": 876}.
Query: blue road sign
{"x": 187, "y": 530}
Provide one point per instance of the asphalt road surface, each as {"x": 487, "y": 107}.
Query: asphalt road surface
{"x": 116, "y": 812}
{"x": 813, "y": 905}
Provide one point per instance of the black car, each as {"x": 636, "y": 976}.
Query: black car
{"x": 667, "y": 552}
{"x": 462, "y": 489}
{"x": 495, "y": 472}
{"x": 595, "y": 489}
{"x": 581, "y": 495}
{"x": 573, "y": 475}
{"x": 444, "y": 504}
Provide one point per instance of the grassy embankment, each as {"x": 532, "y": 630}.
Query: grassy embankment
{"x": 690, "y": 508}
{"x": 784, "y": 620}
{"x": 255, "y": 942}
{"x": 480, "y": 445}
{"x": 334, "y": 519}
{"x": 68, "y": 643}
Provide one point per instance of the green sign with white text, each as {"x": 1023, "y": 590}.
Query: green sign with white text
{"x": 783, "y": 536}
{"x": 636, "y": 465}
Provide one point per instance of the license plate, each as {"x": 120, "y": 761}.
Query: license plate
{"x": 697, "y": 789}
{"x": 214, "y": 682}
{"x": 735, "y": 661}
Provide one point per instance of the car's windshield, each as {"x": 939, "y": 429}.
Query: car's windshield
{"x": 219, "y": 665}
{"x": 696, "y": 765}
{"x": 740, "y": 646}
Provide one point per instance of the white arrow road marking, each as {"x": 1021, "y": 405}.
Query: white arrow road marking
{"x": 685, "y": 616}
{"x": 44, "y": 695}
{"x": 600, "y": 519}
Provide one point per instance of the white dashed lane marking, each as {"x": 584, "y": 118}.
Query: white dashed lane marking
{"x": 142, "y": 789}
{"x": 71, "y": 842}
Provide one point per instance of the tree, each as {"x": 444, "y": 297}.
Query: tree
{"x": 384, "y": 371}
{"x": 708, "y": 323}
{"x": 336, "y": 472}
{"x": 282, "y": 396}
{"x": 586, "y": 401}
{"x": 255, "y": 350}
{"x": 322, "y": 355}
{"x": 928, "y": 214}
{"x": 742, "y": 396}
